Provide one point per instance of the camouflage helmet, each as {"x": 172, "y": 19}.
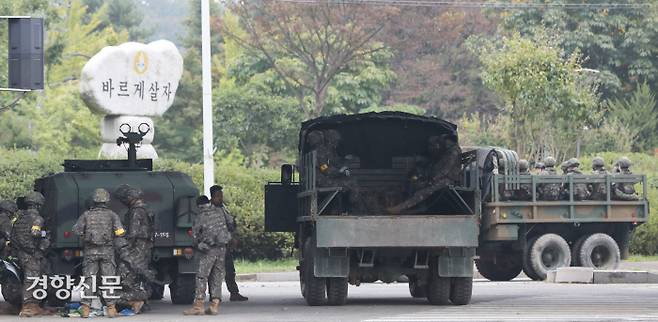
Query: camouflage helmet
{"x": 573, "y": 162}
{"x": 35, "y": 198}
{"x": 120, "y": 191}
{"x": 8, "y": 206}
{"x": 523, "y": 165}
{"x": 549, "y": 162}
{"x": 132, "y": 193}
{"x": 564, "y": 165}
{"x": 624, "y": 162}
{"x": 539, "y": 165}
{"x": 100, "y": 195}
{"x": 598, "y": 162}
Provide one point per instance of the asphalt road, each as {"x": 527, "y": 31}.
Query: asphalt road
{"x": 518, "y": 300}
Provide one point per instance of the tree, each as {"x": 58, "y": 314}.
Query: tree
{"x": 543, "y": 91}
{"x": 638, "y": 114}
{"x": 309, "y": 45}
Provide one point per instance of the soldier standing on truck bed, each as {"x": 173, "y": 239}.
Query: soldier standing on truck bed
{"x": 8, "y": 210}
{"x": 580, "y": 189}
{"x": 598, "y": 190}
{"x": 136, "y": 257}
{"x": 624, "y": 191}
{"x": 525, "y": 189}
{"x": 217, "y": 201}
{"x": 27, "y": 238}
{"x": 443, "y": 170}
{"x": 549, "y": 191}
{"x": 210, "y": 234}
{"x": 98, "y": 228}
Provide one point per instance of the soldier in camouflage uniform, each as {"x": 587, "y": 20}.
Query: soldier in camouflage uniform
{"x": 549, "y": 191}
{"x": 539, "y": 167}
{"x": 525, "y": 189}
{"x": 135, "y": 256}
{"x": 211, "y": 235}
{"x": 580, "y": 190}
{"x": 98, "y": 227}
{"x": 444, "y": 170}
{"x": 624, "y": 191}
{"x": 27, "y": 239}
{"x": 598, "y": 191}
{"x": 8, "y": 211}
{"x": 564, "y": 166}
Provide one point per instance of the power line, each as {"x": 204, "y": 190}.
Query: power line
{"x": 487, "y": 5}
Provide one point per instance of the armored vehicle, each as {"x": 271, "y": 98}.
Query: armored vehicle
{"x": 533, "y": 235}
{"x": 343, "y": 242}
{"x": 170, "y": 195}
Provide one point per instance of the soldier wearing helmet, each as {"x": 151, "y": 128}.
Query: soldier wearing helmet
{"x": 622, "y": 190}
{"x": 580, "y": 190}
{"x": 8, "y": 211}
{"x": 539, "y": 167}
{"x": 525, "y": 189}
{"x": 549, "y": 191}
{"x": 98, "y": 228}
{"x": 598, "y": 190}
{"x": 135, "y": 259}
{"x": 28, "y": 240}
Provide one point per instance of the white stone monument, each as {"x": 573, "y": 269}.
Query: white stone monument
{"x": 130, "y": 83}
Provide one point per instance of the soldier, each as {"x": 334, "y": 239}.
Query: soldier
{"x": 8, "y": 211}
{"x": 564, "y": 166}
{"x": 525, "y": 189}
{"x": 624, "y": 191}
{"x": 549, "y": 191}
{"x": 210, "y": 234}
{"x": 580, "y": 191}
{"x": 98, "y": 228}
{"x": 27, "y": 238}
{"x": 135, "y": 259}
{"x": 598, "y": 190}
{"x": 217, "y": 200}
{"x": 539, "y": 167}
{"x": 443, "y": 170}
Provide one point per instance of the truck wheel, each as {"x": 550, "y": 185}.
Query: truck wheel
{"x": 599, "y": 251}
{"x": 336, "y": 290}
{"x": 415, "y": 289}
{"x": 506, "y": 268}
{"x": 182, "y": 289}
{"x": 549, "y": 252}
{"x": 527, "y": 268}
{"x": 12, "y": 291}
{"x": 575, "y": 250}
{"x": 314, "y": 289}
{"x": 461, "y": 290}
{"x": 438, "y": 290}
{"x": 157, "y": 291}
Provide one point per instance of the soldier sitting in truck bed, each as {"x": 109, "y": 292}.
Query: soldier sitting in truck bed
{"x": 624, "y": 191}
{"x": 444, "y": 169}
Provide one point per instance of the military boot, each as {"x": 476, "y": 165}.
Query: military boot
{"x": 136, "y": 306}
{"x": 196, "y": 309}
{"x": 213, "y": 308}
{"x": 84, "y": 310}
{"x": 111, "y": 311}
{"x": 237, "y": 297}
{"x": 29, "y": 310}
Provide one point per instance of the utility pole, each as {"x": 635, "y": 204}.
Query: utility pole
{"x": 208, "y": 149}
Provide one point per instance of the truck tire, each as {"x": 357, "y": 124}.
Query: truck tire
{"x": 549, "y": 252}
{"x": 461, "y": 290}
{"x": 415, "y": 289}
{"x": 12, "y": 290}
{"x": 337, "y": 290}
{"x": 182, "y": 289}
{"x": 575, "y": 250}
{"x": 527, "y": 268}
{"x": 599, "y": 251}
{"x": 314, "y": 289}
{"x": 438, "y": 289}
{"x": 506, "y": 268}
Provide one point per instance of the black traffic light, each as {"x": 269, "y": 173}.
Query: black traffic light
{"x": 25, "y": 53}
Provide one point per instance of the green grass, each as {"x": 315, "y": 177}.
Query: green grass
{"x": 266, "y": 266}
{"x": 642, "y": 258}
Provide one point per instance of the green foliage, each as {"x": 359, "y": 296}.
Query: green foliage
{"x": 639, "y": 114}
{"x": 474, "y": 131}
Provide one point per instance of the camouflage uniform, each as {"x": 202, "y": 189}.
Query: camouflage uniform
{"x": 580, "y": 190}
{"x": 8, "y": 210}
{"x": 525, "y": 189}
{"x": 444, "y": 170}
{"x": 229, "y": 268}
{"x": 598, "y": 191}
{"x": 98, "y": 228}
{"x": 549, "y": 191}
{"x": 30, "y": 246}
{"x": 211, "y": 235}
{"x": 624, "y": 191}
{"x": 135, "y": 259}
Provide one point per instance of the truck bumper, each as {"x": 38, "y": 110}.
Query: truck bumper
{"x": 397, "y": 231}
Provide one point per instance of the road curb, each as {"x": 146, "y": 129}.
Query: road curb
{"x": 583, "y": 275}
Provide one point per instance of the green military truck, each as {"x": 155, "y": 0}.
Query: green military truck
{"x": 170, "y": 195}
{"x": 535, "y": 236}
{"x": 433, "y": 248}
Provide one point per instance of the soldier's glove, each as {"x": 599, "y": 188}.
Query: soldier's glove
{"x": 203, "y": 247}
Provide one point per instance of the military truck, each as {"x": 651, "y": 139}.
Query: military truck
{"x": 535, "y": 236}
{"x": 170, "y": 195}
{"x": 433, "y": 247}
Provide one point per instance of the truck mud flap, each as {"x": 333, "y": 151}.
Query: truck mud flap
{"x": 456, "y": 263}
{"x": 331, "y": 262}
{"x": 188, "y": 266}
